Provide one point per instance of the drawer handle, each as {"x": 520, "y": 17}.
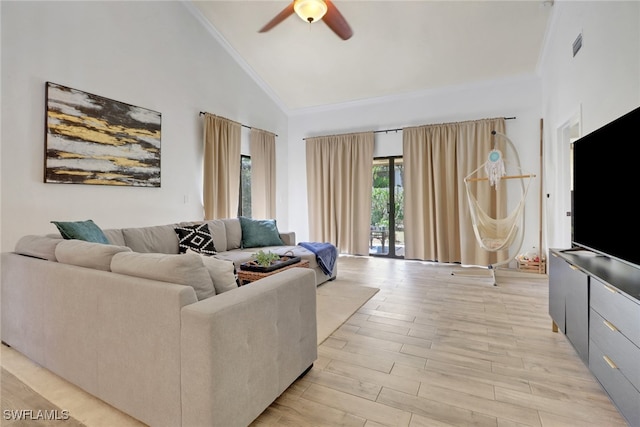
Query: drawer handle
{"x": 610, "y": 362}
{"x": 610, "y": 326}
{"x": 611, "y": 289}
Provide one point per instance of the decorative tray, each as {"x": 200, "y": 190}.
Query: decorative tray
{"x": 275, "y": 265}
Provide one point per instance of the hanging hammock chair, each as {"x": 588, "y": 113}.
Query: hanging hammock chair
{"x": 498, "y": 234}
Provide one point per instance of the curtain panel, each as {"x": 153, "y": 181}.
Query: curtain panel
{"x": 437, "y": 158}
{"x": 221, "y": 186}
{"x": 339, "y": 181}
{"x": 263, "y": 173}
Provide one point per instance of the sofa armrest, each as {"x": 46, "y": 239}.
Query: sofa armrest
{"x": 243, "y": 348}
{"x": 110, "y": 334}
{"x": 288, "y": 238}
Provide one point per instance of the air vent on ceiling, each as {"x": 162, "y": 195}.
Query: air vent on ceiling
{"x": 577, "y": 44}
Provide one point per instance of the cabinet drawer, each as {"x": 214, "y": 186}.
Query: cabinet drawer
{"x": 624, "y": 354}
{"x": 622, "y": 393}
{"x": 617, "y": 308}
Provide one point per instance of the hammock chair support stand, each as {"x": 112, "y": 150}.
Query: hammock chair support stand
{"x": 496, "y": 170}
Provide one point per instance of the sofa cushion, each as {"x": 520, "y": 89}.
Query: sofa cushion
{"x": 218, "y": 231}
{"x": 81, "y": 230}
{"x": 223, "y": 273}
{"x": 43, "y": 247}
{"x": 236, "y": 256}
{"x": 184, "y": 269}
{"x": 259, "y": 232}
{"x": 288, "y": 238}
{"x": 160, "y": 239}
{"x": 196, "y": 238}
{"x": 115, "y": 236}
{"x": 234, "y": 233}
{"x": 88, "y": 254}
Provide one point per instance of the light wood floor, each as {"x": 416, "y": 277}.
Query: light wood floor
{"x": 430, "y": 349}
{"x": 15, "y": 395}
{"x": 435, "y": 349}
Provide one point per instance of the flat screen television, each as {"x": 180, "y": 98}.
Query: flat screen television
{"x": 606, "y": 190}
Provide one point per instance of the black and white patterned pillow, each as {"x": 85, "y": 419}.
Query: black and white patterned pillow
{"x": 195, "y": 237}
{"x": 235, "y": 274}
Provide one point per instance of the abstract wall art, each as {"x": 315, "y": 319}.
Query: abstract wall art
{"x": 94, "y": 140}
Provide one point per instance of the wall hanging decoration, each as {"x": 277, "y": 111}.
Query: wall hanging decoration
{"x": 94, "y": 140}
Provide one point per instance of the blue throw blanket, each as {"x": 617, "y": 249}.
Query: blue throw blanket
{"x": 326, "y": 255}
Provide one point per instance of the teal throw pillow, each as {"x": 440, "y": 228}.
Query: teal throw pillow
{"x": 81, "y": 230}
{"x": 259, "y": 232}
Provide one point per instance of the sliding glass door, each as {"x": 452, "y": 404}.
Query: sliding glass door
{"x": 387, "y": 208}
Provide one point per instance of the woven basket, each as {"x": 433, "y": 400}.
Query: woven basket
{"x": 247, "y": 276}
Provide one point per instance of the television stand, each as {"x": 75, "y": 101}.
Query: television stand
{"x": 595, "y": 301}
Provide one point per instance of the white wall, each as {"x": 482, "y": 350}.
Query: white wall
{"x": 518, "y": 97}
{"x": 155, "y": 55}
{"x": 599, "y": 84}
{"x": 159, "y": 56}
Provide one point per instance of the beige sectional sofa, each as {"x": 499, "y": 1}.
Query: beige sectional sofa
{"x": 159, "y": 335}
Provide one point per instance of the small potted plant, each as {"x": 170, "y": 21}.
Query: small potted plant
{"x": 268, "y": 261}
{"x": 265, "y": 259}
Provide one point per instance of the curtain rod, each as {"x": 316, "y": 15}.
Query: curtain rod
{"x": 202, "y": 113}
{"x": 399, "y": 129}
{"x": 394, "y": 130}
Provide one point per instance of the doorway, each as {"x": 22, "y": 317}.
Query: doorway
{"x": 559, "y": 185}
{"x": 386, "y": 236}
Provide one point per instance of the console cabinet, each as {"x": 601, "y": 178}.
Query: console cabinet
{"x": 595, "y": 301}
{"x": 569, "y": 303}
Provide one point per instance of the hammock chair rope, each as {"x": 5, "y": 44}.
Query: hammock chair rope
{"x": 496, "y": 234}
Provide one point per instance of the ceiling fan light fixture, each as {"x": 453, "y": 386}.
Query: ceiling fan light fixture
{"x": 310, "y": 10}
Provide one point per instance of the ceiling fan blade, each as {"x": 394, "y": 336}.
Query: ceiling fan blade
{"x": 336, "y": 21}
{"x": 286, "y": 12}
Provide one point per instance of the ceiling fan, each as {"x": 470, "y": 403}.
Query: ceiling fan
{"x": 312, "y": 11}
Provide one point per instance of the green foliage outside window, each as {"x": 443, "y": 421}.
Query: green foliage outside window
{"x": 379, "y": 207}
{"x": 245, "y": 187}
{"x": 380, "y": 199}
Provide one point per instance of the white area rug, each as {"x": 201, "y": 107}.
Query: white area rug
{"x": 336, "y": 302}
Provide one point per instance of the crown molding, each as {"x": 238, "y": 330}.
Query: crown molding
{"x": 424, "y": 93}
{"x": 548, "y": 35}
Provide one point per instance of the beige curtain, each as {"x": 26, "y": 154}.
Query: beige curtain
{"x": 263, "y": 174}
{"x": 339, "y": 181}
{"x": 437, "y": 219}
{"x": 221, "y": 185}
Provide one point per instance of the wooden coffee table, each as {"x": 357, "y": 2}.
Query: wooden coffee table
{"x": 246, "y": 276}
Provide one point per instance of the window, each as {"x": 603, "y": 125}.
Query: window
{"x": 244, "y": 204}
{"x": 387, "y": 208}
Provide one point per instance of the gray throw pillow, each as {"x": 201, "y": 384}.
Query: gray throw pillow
{"x": 185, "y": 269}
{"x": 222, "y": 272}
{"x": 87, "y": 254}
{"x": 259, "y": 233}
{"x": 43, "y": 247}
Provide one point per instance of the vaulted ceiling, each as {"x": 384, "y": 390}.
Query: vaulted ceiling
{"x": 397, "y": 47}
